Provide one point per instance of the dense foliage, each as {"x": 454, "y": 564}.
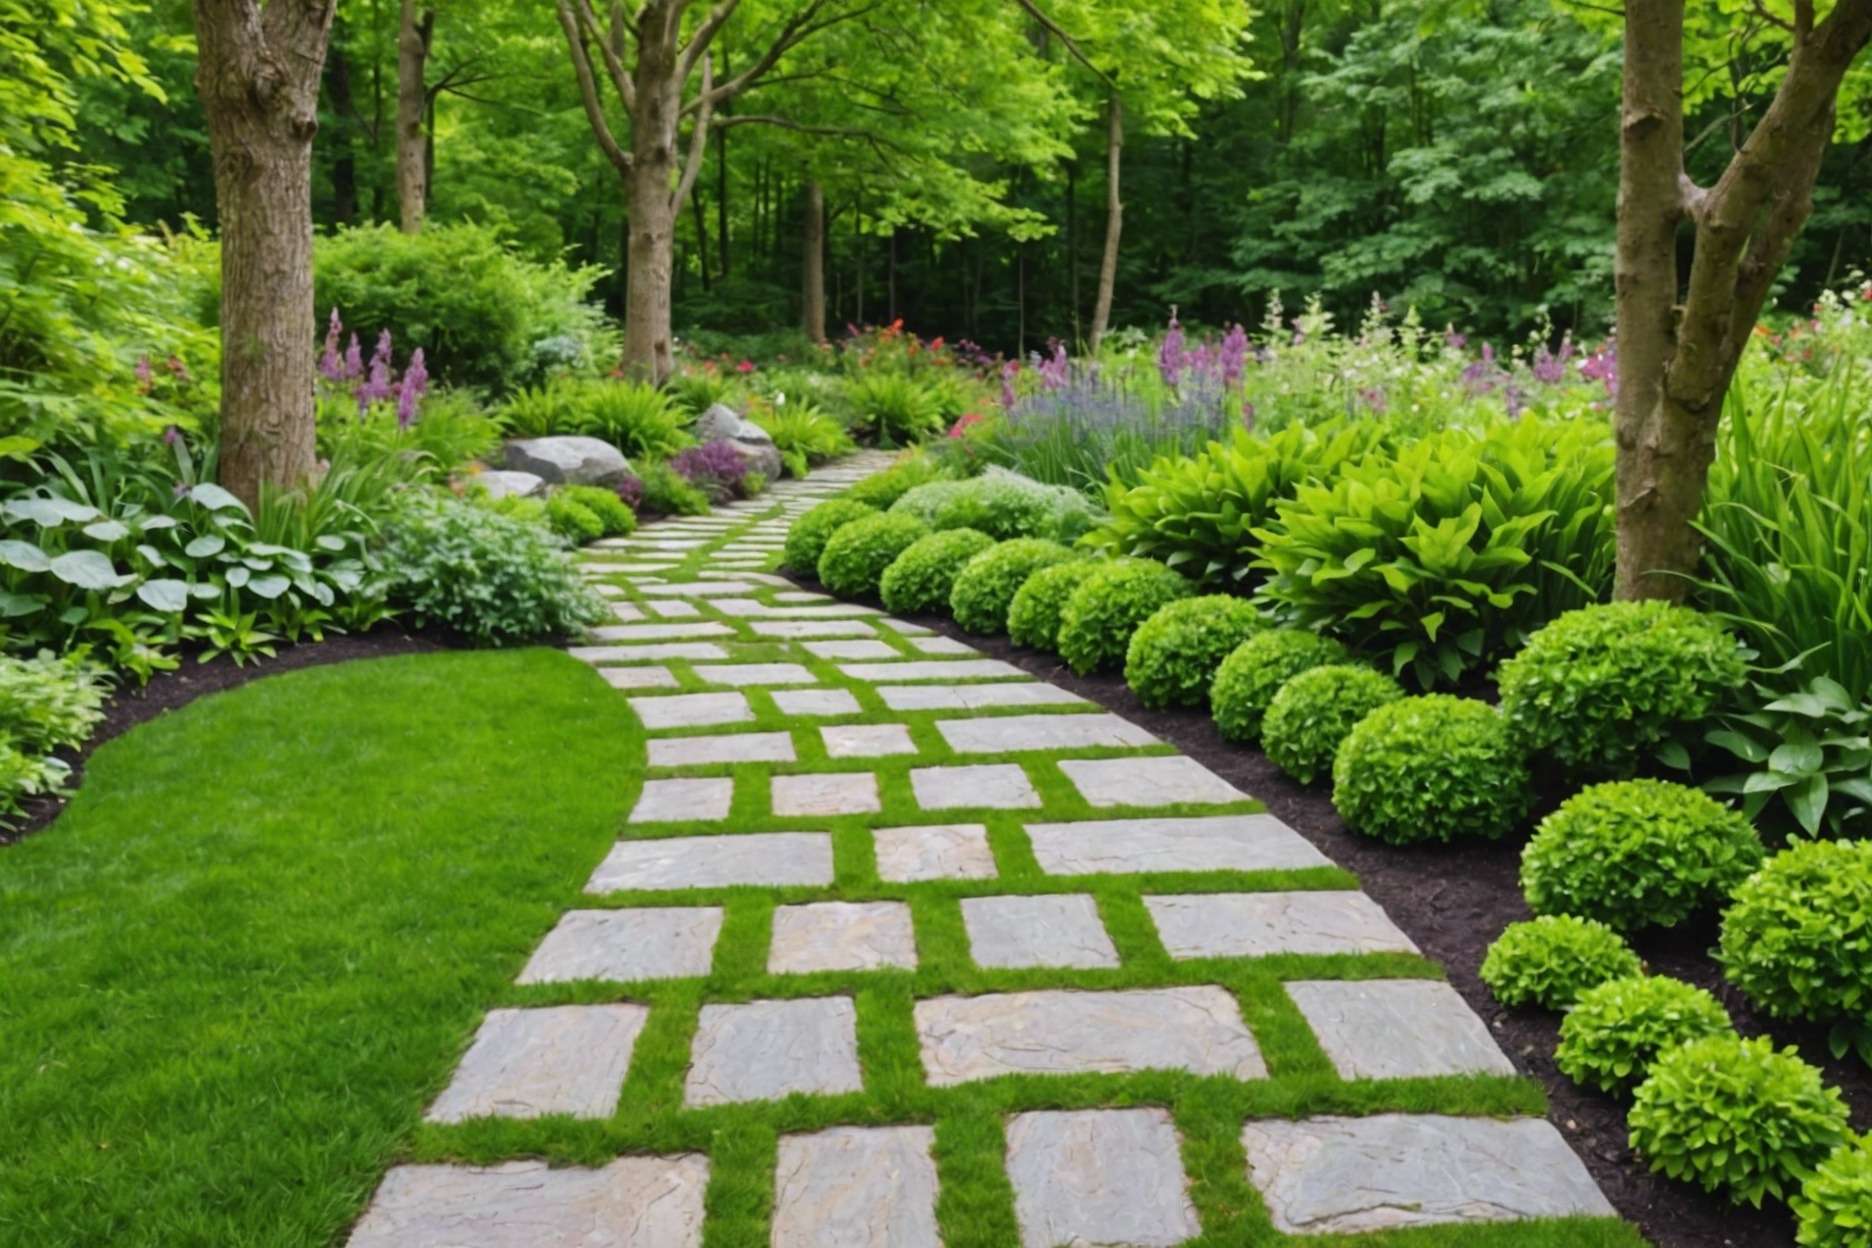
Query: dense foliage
{"x": 1798, "y": 936}
{"x": 1431, "y": 768}
{"x": 1316, "y": 710}
{"x": 1834, "y": 1205}
{"x": 920, "y": 579}
{"x": 1097, "y": 622}
{"x": 1614, "y": 1032}
{"x": 856, "y": 555}
{"x": 806, "y": 537}
{"x": 1033, "y": 616}
{"x": 985, "y": 587}
{"x": 1551, "y": 960}
{"x": 1173, "y": 656}
{"x": 1248, "y": 679}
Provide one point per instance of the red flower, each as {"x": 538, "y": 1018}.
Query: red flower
{"x": 745, "y": 366}
{"x": 962, "y": 426}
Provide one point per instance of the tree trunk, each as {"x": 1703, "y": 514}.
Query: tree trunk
{"x": 812, "y": 246}
{"x": 257, "y": 75}
{"x": 1114, "y": 222}
{"x": 412, "y": 137}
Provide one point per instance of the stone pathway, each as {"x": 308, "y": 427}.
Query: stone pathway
{"x": 901, "y": 947}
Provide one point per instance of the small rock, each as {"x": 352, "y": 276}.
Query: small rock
{"x": 569, "y": 460}
{"x": 501, "y": 484}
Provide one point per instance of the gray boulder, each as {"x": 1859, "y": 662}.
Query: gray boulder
{"x": 569, "y": 460}
{"x": 499, "y": 484}
{"x": 722, "y": 423}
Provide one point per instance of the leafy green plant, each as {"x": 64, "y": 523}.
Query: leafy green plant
{"x": 806, "y": 537}
{"x": 1601, "y": 688}
{"x": 1254, "y": 672}
{"x": 1736, "y": 1116}
{"x": 1551, "y": 960}
{"x": 667, "y": 492}
{"x": 920, "y": 579}
{"x": 985, "y": 587}
{"x": 1636, "y": 853}
{"x": 1174, "y": 654}
{"x": 1316, "y": 710}
{"x": 892, "y": 408}
{"x": 1033, "y": 616}
{"x": 856, "y": 555}
{"x": 1834, "y": 1204}
{"x": 1097, "y": 622}
{"x": 803, "y": 435}
{"x": 449, "y": 429}
{"x": 1431, "y": 768}
{"x": 1002, "y": 505}
{"x": 695, "y": 390}
{"x": 585, "y": 513}
{"x": 1616, "y": 1029}
{"x": 1809, "y": 755}
{"x": 883, "y": 489}
{"x": 46, "y": 703}
{"x": 638, "y": 420}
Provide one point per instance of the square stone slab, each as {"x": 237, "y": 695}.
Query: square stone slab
{"x": 742, "y": 674}
{"x": 860, "y": 648}
{"x": 816, "y": 702}
{"x": 867, "y": 740}
{"x": 764, "y": 1050}
{"x": 1003, "y": 734}
{"x": 648, "y": 653}
{"x": 942, "y": 646}
{"x": 794, "y": 629}
{"x": 625, "y": 613}
{"x": 933, "y": 669}
{"x": 702, "y": 589}
{"x": 800, "y": 595}
{"x": 827, "y": 793}
{"x": 953, "y": 851}
{"x": 1099, "y": 1177}
{"x": 993, "y": 786}
{"x": 665, "y": 942}
{"x": 649, "y": 677}
{"x": 1253, "y": 925}
{"x": 567, "y": 1059}
{"x": 1346, "y": 1175}
{"x": 774, "y": 858}
{"x": 1060, "y": 929}
{"x": 841, "y": 936}
{"x": 672, "y": 609}
{"x": 1195, "y": 843}
{"x": 681, "y": 630}
{"x": 1197, "y": 1028}
{"x": 692, "y": 710}
{"x": 907, "y": 629}
{"x": 856, "y": 1187}
{"x": 742, "y": 747}
{"x": 1397, "y": 1028}
{"x": 635, "y": 1202}
{"x": 666, "y": 801}
{"x": 1170, "y": 780}
{"x": 748, "y": 608}
{"x": 973, "y": 697}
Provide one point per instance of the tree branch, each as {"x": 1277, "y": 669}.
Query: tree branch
{"x": 613, "y": 58}
{"x": 588, "y": 88}
{"x": 698, "y": 137}
{"x": 796, "y": 30}
{"x": 1051, "y": 27}
{"x": 704, "y": 35}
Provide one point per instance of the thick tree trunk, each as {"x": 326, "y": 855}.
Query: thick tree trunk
{"x": 412, "y": 135}
{"x": 812, "y": 256}
{"x": 647, "y": 346}
{"x": 1114, "y": 222}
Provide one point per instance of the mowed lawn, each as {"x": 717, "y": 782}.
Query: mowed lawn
{"x": 239, "y": 965}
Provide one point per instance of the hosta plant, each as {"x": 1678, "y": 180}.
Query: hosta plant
{"x": 1616, "y": 1029}
{"x": 1174, "y": 654}
{"x": 920, "y": 579}
{"x": 1316, "y": 710}
{"x": 46, "y": 703}
{"x": 1430, "y": 768}
{"x": 1551, "y": 960}
{"x": 984, "y": 589}
{"x": 1254, "y": 672}
{"x": 1807, "y": 759}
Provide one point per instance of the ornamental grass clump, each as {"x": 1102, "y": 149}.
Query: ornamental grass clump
{"x": 920, "y": 579}
{"x": 1174, "y": 654}
{"x": 1316, "y": 710}
{"x": 806, "y": 537}
{"x": 985, "y": 587}
{"x": 854, "y": 559}
{"x": 1551, "y": 960}
{"x": 1798, "y": 936}
{"x": 1431, "y": 768}
{"x": 1254, "y": 672}
{"x": 1034, "y": 615}
{"x": 1097, "y": 622}
{"x": 1616, "y": 1029}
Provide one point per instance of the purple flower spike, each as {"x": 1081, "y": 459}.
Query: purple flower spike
{"x": 1234, "y": 355}
{"x": 1009, "y": 371}
{"x": 1170, "y": 359}
{"x": 410, "y": 392}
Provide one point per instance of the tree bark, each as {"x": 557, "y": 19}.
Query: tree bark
{"x": 1114, "y": 222}
{"x": 415, "y": 30}
{"x": 258, "y": 77}
{"x": 812, "y": 249}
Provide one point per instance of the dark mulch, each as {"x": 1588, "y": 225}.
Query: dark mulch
{"x": 168, "y": 691}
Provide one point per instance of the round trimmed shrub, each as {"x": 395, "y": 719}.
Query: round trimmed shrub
{"x": 883, "y": 489}
{"x": 1834, "y": 1205}
{"x": 1549, "y": 961}
{"x": 806, "y": 537}
{"x": 985, "y": 587}
{"x": 1250, "y": 676}
{"x": 855, "y": 557}
{"x": 1637, "y": 852}
{"x": 1615, "y": 1031}
{"x": 1736, "y": 1116}
{"x": 1798, "y": 936}
{"x": 1316, "y": 710}
{"x": 1430, "y": 768}
{"x": 1034, "y": 615}
{"x": 1097, "y": 621}
{"x": 1174, "y": 654}
{"x": 920, "y": 579}
{"x": 1598, "y": 688}
{"x": 928, "y": 501}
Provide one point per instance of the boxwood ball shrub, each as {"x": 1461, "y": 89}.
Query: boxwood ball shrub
{"x": 1736, "y": 1116}
{"x": 1174, "y": 654}
{"x": 1034, "y": 614}
{"x": 1431, "y": 768}
{"x": 1097, "y": 621}
{"x": 1601, "y": 687}
{"x": 986, "y": 585}
{"x": 1798, "y": 936}
{"x": 1255, "y": 670}
{"x": 1637, "y": 852}
{"x": 1315, "y": 711}
{"x": 1834, "y": 1205}
{"x": 882, "y": 489}
{"x": 1616, "y": 1029}
{"x": 1549, "y": 961}
{"x": 806, "y": 537}
{"x": 920, "y": 579}
{"x": 855, "y": 556}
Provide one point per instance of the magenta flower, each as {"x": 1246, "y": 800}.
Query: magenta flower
{"x": 1170, "y": 358}
{"x": 1009, "y": 371}
{"x": 331, "y": 366}
{"x": 1233, "y": 357}
{"x": 410, "y": 391}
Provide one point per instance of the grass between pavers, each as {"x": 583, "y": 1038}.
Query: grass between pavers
{"x": 254, "y": 947}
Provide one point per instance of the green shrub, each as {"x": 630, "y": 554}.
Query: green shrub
{"x": 985, "y": 587}
{"x": 1249, "y": 677}
{"x": 920, "y": 579}
{"x": 1174, "y": 654}
{"x": 1034, "y": 614}
{"x": 46, "y": 703}
{"x": 1316, "y": 710}
{"x": 585, "y": 513}
{"x": 883, "y": 489}
{"x": 1637, "y": 852}
{"x": 1615, "y": 1031}
{"x": 695, "y": 390}
{"x": 1431, "y": 768}
{"x": 638, "y": 420}
{"x": 928, "y": 501}
{"x": 803, "y": 435}
{"x": 892, "y": 408}
{"x": 1600, "y": 688}
{"x": 806, "y": 537}
{"x": 1097, "y": 622}
{"x": 449, "y": 430}
{"x": 1551, "y": 960}
{"x": 1735, "y": 1116}
{"x": 1798, "y": 936}
{"x": 854, "y": 558}
{"x": 572, "y": 520}
{"x": 1834, "y": 1204}
{"x": 667, "y": 492}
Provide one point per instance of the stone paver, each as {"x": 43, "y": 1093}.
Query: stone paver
{"x": 1253, "y": 925}
{"x": 933, "y": 669}
{"x": 856, "y": 648}
{"x": 634, "y": 1202}
{"x": 673, "y": 609}
{"x": 942, "y": 646}
{"x": 856, "y": 1187}
{"x": 702, "y": 589}
{"x": 1397, "y": 1028}
{"x": 754, "y": 674}
{"x": 1346, "y": 1175}
{"x": 1005, "y": 734}
{"x": 1165, "y": 781}
{"x": 827, "y": 793}
{"x": 1059, "y": 1032}
{"x": 690, "y": 630}
{"x": 742, "y": 747}
{"x": 991, "y": 786}
{"x": 650, "y": 652}
{"x": 764, "y": 1050}
{"x": 797, "y": 629}
{"x": 772, "y": 858}
{"x": 666, "y": 801}
{"x": 568, "y": 1059}
{"x": 841, "y": 936}
{"x": 1197, "y": 843}
{"x": 1061, "y": 929}
{"x": 816, "y": 702}
{"x": 867, "y": 740}
{"x": 692, "y": 710}
{"x": 949, "y": 851}
{"x": 1094, "y": 1177}
{"x": 663, "y": 942}
{"x": 638, "y": 677}
{"x": 973, "y": 697}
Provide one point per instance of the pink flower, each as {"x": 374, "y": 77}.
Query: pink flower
{"x": 745, "y": 366}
